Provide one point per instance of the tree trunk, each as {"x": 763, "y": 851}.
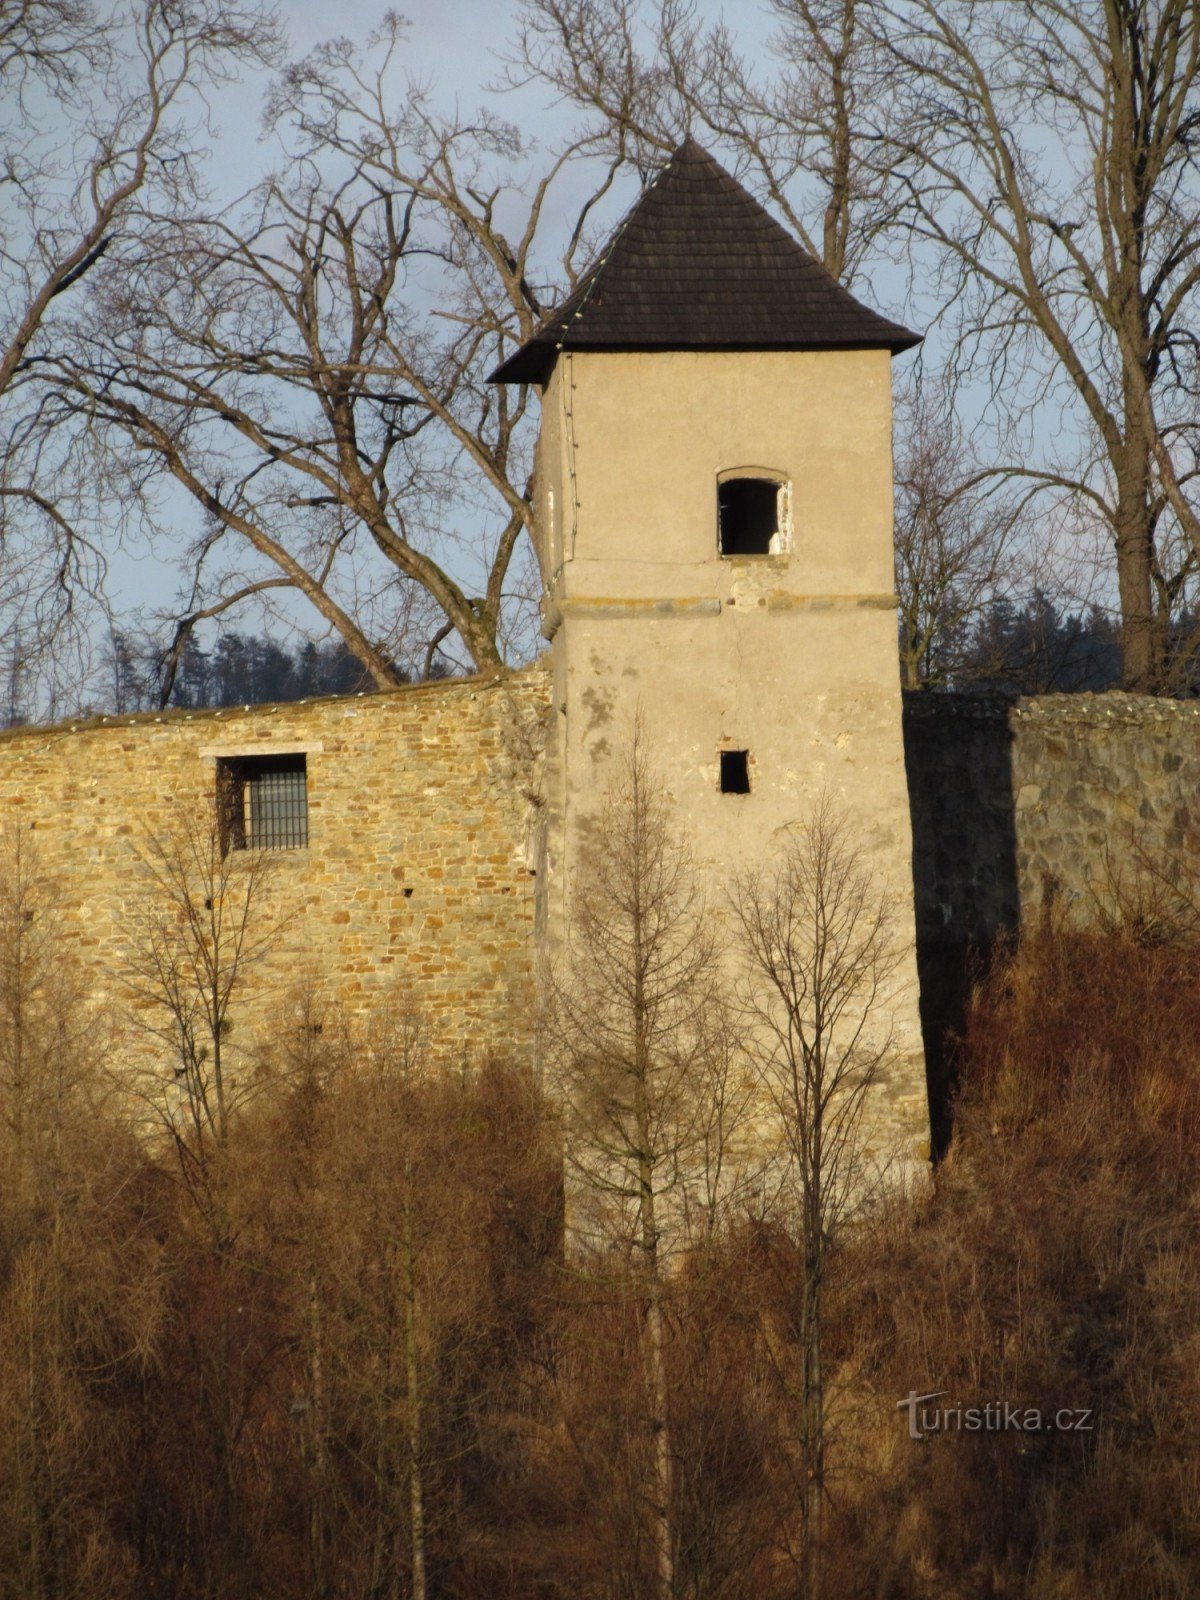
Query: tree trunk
{"x": 656, "y": 1373}
{"x": 1141, "y": 647}
{"x": 814, "y": 1429}
{"x": 318, "y": 1477}
{"x": 838, "y": 209}
{"x": 412, "y": 1374}
{"x": 655, "y": 1333}
{"x": 910, "y": 664}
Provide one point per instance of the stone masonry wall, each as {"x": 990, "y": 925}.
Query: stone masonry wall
{"x": 426, "y": 817}
{"x": 1012, "y": 799}
{"x": 1016, "y": 799}
{"x": 422, "y": 807}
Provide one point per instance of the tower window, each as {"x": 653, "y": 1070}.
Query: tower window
{"x": 263, "y": 802}
{"x": 749, "y": 521}
{"x": 735, "y": 772}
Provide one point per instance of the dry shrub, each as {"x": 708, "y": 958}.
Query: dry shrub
{"x": 82, "y": 1308}
{"x": 733, "y": 1354}
{"x": 186, "y": 1416}
{"x": 393, "y": 1189}
{"x": 1058, "y": 1267}
{"x": 183, "y": 1415}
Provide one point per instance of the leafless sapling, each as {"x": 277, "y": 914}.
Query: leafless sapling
{"x": 653, "y": 1091}
{"x": 819, "y": 953}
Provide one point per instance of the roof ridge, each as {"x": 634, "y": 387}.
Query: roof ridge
{"x": 697, "y": 262}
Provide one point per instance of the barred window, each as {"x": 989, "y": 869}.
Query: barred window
{"x": 263, "y": 802}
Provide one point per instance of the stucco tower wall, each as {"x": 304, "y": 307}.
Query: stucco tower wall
{"x": 791, "y": 656}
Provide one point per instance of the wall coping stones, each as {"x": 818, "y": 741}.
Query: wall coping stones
{"x": 991, "y": 705}
{"x": 42, "y": 734}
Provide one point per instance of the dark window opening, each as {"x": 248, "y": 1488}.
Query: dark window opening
{"x": 735, "y": 772}
{"x": 263, "y": 802}
{"x": 747, "y": 516}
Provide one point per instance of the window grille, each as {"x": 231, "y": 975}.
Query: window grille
{"x": 263, "y": 802}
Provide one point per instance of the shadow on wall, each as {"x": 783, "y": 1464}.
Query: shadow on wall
{"x": 958, "y": 756}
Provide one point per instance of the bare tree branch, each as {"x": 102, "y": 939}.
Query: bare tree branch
{"x": 1049, "y": 154}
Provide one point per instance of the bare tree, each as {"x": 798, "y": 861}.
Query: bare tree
{"x": 803, "y": 133}
{"x": 105, "y": 107}
{"x": 955, "y": 528}
{"x": 79, "y": 1282}
{"x": 432, "y": 1183}
{"x": 1049, "y": 152}
{"x": 819, "y": 955}
{"x": 397, "y": 1057}
{"x": 204, "y": 923}
{"x": 31, "y": 1015}
{"x": 309, "y": 365}
{"x": 642, "y": 1057}
{"x": 308, "y": 1062}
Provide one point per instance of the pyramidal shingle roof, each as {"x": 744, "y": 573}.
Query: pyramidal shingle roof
{"x": 698, "y": 264}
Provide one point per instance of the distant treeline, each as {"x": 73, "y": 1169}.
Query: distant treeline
{"x": 239, "y": 669}
{"x": 1039, "y": 646}
{"x": 1036, "y": 648}
{"x": 1042, "y": 647}
{"x": 243, "y": 670}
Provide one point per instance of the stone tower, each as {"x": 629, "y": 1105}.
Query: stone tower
{"x": 714, "y": 507}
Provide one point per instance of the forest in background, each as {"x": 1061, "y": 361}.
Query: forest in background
{"x": 240, "y": 669}
{"x": 1027, "y": 649}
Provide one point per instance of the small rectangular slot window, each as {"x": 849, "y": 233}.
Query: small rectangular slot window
{"x": 735, "y": 772}
{"x": 263, "y": 802}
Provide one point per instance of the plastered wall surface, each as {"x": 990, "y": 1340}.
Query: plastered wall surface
{"x": 791, "y": 657}
{"x": 423, "y": 805}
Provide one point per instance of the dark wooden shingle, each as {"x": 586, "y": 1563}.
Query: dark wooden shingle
{"x": 698, "y": 264}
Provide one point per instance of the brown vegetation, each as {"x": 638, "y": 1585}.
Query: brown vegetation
{"x": 382, "y": 1376}
{"x": 1057, "y": 1268}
